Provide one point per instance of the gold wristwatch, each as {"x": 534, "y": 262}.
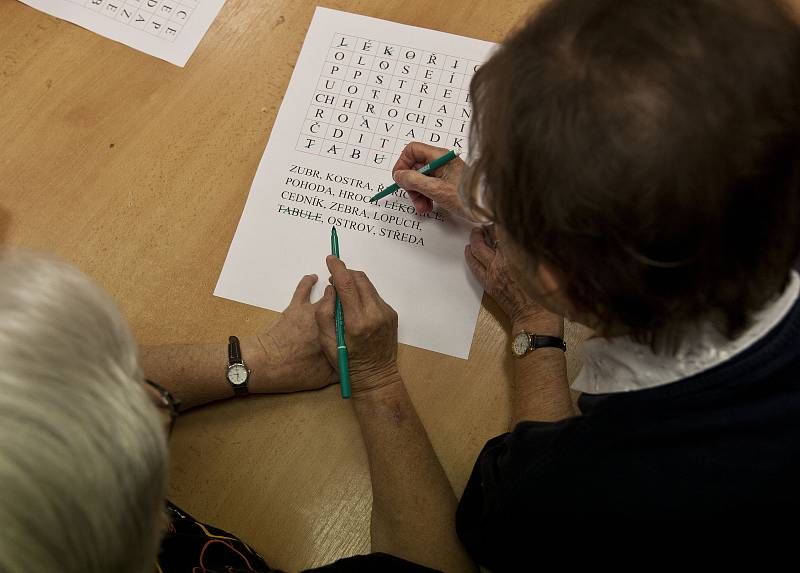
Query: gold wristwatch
{"x": 525, "y": 342}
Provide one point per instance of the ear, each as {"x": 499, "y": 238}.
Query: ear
{"x": 549, "y": 278}
{"x": 553, "y": 286}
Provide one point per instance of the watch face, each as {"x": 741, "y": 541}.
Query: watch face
{"x": 520, "y": 344}
{"x": 237, "y": 374}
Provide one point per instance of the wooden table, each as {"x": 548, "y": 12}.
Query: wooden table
{"x": 137, "y": 171}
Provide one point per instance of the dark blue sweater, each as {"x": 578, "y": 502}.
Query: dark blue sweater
{"x": 722, "y": 446}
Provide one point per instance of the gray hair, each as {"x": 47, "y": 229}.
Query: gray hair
{"x": 83, "y": 455}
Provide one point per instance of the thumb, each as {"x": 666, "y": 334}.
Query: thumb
{"x": 326, "y": 309}
{"x": 303, "y": 290}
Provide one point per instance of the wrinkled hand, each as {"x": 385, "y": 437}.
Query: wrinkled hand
{"x": 490, "y": 267}
{"x": 370, "y": 327}
{"x": 294, "y": 358}
{"x": 440, "y": 185}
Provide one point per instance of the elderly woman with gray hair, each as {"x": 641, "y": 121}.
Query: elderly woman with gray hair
{"x": 83, "y": 453}
{"x": 83, "y": 434}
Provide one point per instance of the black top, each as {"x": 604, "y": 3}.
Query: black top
{"x": 721, "y": 444}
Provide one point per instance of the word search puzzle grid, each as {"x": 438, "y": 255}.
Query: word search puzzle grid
{"x": 372, "y": 98}
{"x": 360, "y": 89}
{"x": 161, "y": 18}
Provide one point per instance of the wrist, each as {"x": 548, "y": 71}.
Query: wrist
{"x": 552, "y": 325}
{"x": 531, "y": 314}
{"x": 257, "y": 357}
{"x": 375, "y": 383}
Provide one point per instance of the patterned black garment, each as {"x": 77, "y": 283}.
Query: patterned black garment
{"x": 193, "y": 547}
{"x": 190, "y": 546}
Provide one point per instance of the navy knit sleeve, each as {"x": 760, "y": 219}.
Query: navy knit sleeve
{"x": 514, "y": 489}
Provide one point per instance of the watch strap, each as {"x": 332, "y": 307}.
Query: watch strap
{"x": 234, "y": 351}
{"x": 544, "y": 341}
{"x": 235, "y": 357}
{"x": 241, "y": 389}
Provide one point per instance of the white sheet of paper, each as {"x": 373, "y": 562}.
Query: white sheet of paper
{"x": 362, "y": 88}
{"x": 167, "y": 29}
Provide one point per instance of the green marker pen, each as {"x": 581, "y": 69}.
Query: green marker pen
{"x": 344, "y": 367}
{"x": 425, "y": 169}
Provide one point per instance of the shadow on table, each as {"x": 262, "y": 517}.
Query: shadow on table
{"x": 5, "y": 224}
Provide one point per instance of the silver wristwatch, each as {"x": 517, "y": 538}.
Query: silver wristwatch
{"x": 238, "y": 375}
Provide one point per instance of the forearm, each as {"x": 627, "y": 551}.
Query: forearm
{"x": 195, "y": 373}
{"x": 540, "y": 389}
{"x": 413, "y": 508}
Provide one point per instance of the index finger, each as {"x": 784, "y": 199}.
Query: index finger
{"x": 366, "y": 289}
{"x": 417, "y": 154}
{"x": 344, "y": 284}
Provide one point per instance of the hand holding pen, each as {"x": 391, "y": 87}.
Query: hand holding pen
{"x": 371, "y": 327}
{"x": 440, "y": 185}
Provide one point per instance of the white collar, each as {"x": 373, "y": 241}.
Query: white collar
{"x": 621, "y": 365}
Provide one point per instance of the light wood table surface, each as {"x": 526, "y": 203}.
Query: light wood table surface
{"x": 137, "y": 171}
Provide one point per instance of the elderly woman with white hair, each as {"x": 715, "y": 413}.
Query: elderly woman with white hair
{"x": 84, "y": 456}
{"x": 83, "y": 450}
